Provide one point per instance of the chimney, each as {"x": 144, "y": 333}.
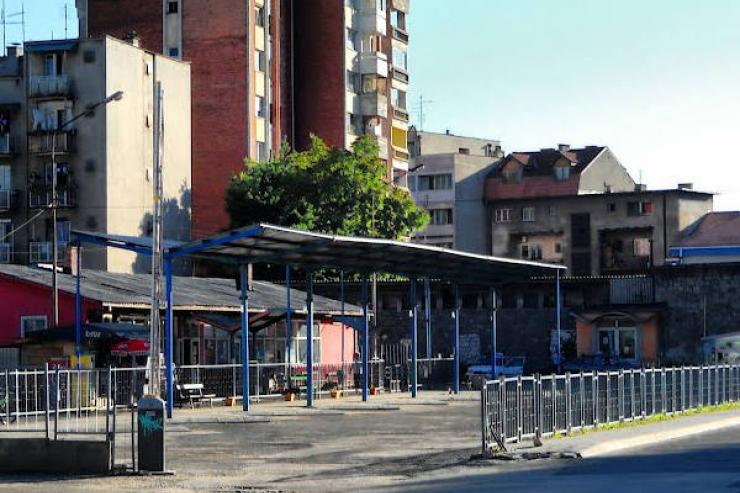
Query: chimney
{"x": 447, "y": 132}
{"x": 640, "y": 187}
{"x": 685, "y": 186}
{"x": 563, "y": 147}
{"x": 133, "y": 38}
{"x": 14, "y": 51}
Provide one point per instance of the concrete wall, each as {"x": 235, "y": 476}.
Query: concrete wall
{"x": 42, "y": 456}
{"x": 426, "y": 143}
{"x": 606, "y": 168}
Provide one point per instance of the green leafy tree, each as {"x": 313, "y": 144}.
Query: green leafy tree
{"x": 327, "y": 190}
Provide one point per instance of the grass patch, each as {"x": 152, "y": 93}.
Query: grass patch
{"x": 728, "y": 406}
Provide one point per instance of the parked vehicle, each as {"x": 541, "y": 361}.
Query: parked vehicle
{"x": 507, "y": 366}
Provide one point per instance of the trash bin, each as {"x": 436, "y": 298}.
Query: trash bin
{"x": 150, "y": 422}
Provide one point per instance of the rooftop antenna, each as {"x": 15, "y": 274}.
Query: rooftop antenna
{"x": 66, "y": 33}
{"x": 13, "y": 22}
{"x": 420, "y": 109}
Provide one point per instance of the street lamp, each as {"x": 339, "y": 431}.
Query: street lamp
{"x": 87, "y": 113}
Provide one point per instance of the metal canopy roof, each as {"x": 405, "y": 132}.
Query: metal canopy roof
{"x": 265, "y": 243}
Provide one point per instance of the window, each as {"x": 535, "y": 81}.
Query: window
{"x": 528, "y": 214}
{"x": 53, "y": 64}
{"x": 398, "y": 98}
{"x": 435, "y": 182}
{"x": 172, "y": 7}
{"x": 513, "y": 173}
{"x": 558, "y": 248}
{"x": 642, "y": 247}
{"x": 6, "y": 241}
{"x": 441, "y": 217}
{"x": 398, "y": 19}
{"x": 33, "y": 323}
{"x": 88, "y": 56}
{"x": 552, "y": 210}
{"x": 259, "y": 16}
{"x": 618, "y": 342}
{"x": 562, "y": 173}
{"x": 259, "y": 106}
{"x": 372, "y": 83}
{"x": 503, "y": 215}
{"x": 259, "y": 61}
{"x": 353, "y": 82}
{"x": 611, "y": 207}
{"x": 173, "y": 52}
{"x": 531, "y": 251}
{"x": 381, "y": 4}
{"x": 352, "y": 39}
{"x": 400, "y": 58}
{"x": 261, "y": 151}
{"x": 463, "y": 150}
{"x": 641, "y": 208}
{"x": 354, "y": 124}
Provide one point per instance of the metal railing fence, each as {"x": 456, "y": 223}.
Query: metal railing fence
{"x": 525, "y": 407}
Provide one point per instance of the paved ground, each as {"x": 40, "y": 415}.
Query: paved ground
{"x": 413, "y": 449}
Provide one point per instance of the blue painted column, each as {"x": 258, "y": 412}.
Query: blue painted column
{"x": 309, "y": 339}
{"x": 168, "y": 323}
{"x": 365, "y": 339}
{"x": 456, "y": 339}
{"x": 78, "y": 306}
{"x": 288, "y": 321}
{"x": 494, "y": 337}
{"x": 559, "y": 355}
{"x": 243, "y": 284}
{"x": 428, "y": 315}
{"x": 413, "y": 302}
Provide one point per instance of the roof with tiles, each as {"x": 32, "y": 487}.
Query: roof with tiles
{"x": 714, "y": 229}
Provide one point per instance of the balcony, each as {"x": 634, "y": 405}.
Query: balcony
{"x": 374, "y": 62}
{"x": 6, "y": 252}
{"x": 374, "y": 104}
{"x": 8, "y": 199}
{"x": 50, "y": 86}
{"x": 41, "y": 251}
{"x": 370, "y": 19}
{"x": 41, "y": 198}
{"x": 400, "y": 34}
{"x": 6, "y": 145}
{"x": 401, "y": 115}
{"x": 41, "y": 143}
{"x": 400, "y": 75}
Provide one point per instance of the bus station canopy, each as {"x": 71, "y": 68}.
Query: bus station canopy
{"x": 265, "y": 243}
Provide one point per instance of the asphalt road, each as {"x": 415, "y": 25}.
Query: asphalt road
{"x": 698, "y": 464}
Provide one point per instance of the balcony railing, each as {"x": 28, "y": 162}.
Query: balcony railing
{"x": 63, "y": 142}
{"x": 8, "y": 199}
{"x": 42, "y": 251}
{"x": 6, "y": 144}
{"x": 43, "y": 86}
{"x": 6, "y": 252}
{"x": 400, "y": 35}
{"x": 400, "y": 75}
{"x": 39, "y": 199}
{"x": 400, "y": 114}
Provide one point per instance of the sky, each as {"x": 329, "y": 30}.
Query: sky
{"x": 658, "y": 81}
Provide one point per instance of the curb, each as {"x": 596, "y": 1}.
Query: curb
{"x": 219, "y": 420}
{"x": 658, "y": 437}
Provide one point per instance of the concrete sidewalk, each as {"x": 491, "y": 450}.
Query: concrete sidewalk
{"x": 599, "y": 443}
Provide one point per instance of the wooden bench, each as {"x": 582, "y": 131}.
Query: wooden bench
{"x": 192, "y": 393}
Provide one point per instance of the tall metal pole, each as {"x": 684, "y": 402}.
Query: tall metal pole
{"x": 78, "y": 306}
{"x": 456, "y": 339}
{"x": 157, "y": 261}
{"x": 341, "y": 310}
{"x": 413, "y": 303}
{"x": 557, "y": 315}
{"x": 288, "y": 322}
{"x": 494, "y": 338}
{"x": 245, "y": 335}
{"x": 365, "y": 338}
{"x": 54, "y": 233}
{"x": 428, "y": 315}
{"x": 309, "y": 339}
{"x": 168, "y": 325}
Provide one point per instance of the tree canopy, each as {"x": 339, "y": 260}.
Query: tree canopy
{"x": 327, "y": 190}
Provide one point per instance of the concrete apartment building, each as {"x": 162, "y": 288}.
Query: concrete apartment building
{"x": 447, "y": 179}
{"x": 580, "y": 207}
{"x": 269, "y": 71}
{"x": 104, "y": 161}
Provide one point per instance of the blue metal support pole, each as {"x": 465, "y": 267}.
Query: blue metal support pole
{"x": 309, "y": 339}
{"x": 365, "y": 338}
{"x": 559, "y": 355}
{"x": 494, "y": 338}
{"x": 243, "y": 284}
{"x": 428, "y": 315}
{"x": 168, "y": 324}
{"x": 341, "y": 311}
{"x": 414, "y": 301}
{"x": 78, "y": 307}
{"x": 288, "y": 319}
{"x": 456, "y": 321}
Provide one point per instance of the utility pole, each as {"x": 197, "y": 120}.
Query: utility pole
{"x": 157, "y": 263}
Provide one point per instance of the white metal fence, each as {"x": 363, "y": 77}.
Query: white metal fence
{"x": 513, "y": 409}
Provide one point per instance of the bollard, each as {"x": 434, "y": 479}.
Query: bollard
{"x": 151, "y": 434}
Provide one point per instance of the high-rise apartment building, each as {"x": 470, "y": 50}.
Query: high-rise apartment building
{"x": 103, "y": 160}
{"x": 269, "y": 71}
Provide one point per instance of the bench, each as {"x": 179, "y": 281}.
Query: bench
{"x": 192, "y": 393}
